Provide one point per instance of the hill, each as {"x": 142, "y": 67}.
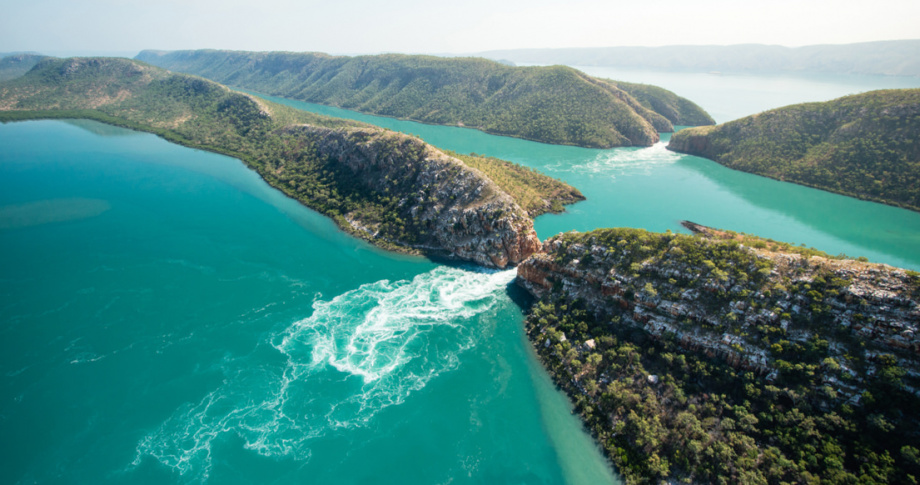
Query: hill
{"x": 864, "y": 146}
{"x": 15, "y": 65}
{"x": 725, "y": 358}
{"x": 392, "y": 189}
{"x": 678, "y": 110}
{"x": 887, "y": 58}
{"x": 549, "y": 104}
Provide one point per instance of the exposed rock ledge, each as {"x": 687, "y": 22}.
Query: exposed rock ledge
{"x": 457, "y": 211}
{"x": 710, "y": 312}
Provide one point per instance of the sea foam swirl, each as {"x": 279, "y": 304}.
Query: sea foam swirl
{"x": 358, "y": 353}
{"x": 621, "y": 161}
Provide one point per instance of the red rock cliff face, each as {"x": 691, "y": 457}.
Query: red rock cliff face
{"x": 467, "y": 216}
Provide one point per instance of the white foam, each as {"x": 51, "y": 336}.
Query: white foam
{"x": 86, "y": 357}
{"x": 358, "y": 353}
{"x": 623, "y": 161}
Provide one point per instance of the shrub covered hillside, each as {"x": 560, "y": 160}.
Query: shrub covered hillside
{"x": 390, "y": 188}
{"x": 535, "y": 192}
{"x": 719, "y": 358}
{"x": 550, "y": 104}
{"x": 678, "y": 110}
{"x": 864, "y": 146}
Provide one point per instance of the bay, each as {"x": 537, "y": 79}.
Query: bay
{"x": 167, "y": 317}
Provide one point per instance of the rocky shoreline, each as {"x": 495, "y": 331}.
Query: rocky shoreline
{"x": 621, "y": 313}
{"x": 459, "y": 211}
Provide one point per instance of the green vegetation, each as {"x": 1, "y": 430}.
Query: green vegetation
{"x": 679, "y": 111}
{"x": 696, "y": 359}
{"x": 758, "y": 242}
{"x": 203, "y": 114}
{"x": 864, "y": 146}
{"x": 550, "y": 104}
{"x": 16, "y": 65}
{"x": 534, "y": 192}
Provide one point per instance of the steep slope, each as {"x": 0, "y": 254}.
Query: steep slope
{"x": 864, "y": 146}
{"x": 392, "y": 189}
{"x": 679, "y": 111}
{"x": 724, "y": 358}
{"x": 550, "y": 104}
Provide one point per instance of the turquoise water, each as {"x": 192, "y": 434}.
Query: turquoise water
{"x": 729, "y": 96}
{"x": 655, "y": 189}
{"x": 169, "y": 318}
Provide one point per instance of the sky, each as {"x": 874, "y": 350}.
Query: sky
{"x": 441, "y": 27}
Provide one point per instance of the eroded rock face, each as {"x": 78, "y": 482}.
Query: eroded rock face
{"x": 463, "y": 214}
{"x": 693, "y": 141}
{"x": 873, "y": 303}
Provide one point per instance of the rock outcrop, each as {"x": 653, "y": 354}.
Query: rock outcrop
{"x": 456, "y": 211}
{"x": 724, "y": 313}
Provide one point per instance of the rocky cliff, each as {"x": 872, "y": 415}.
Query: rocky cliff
{"x": 452, "y": 210}
{"x": 770, "y": 330}
{"x": 721, "y": 313}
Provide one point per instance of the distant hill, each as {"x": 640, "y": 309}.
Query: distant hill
{"x": 15, "y": 65}
{"x": 864, "y": 146}
{"x": 392, "y": 189}
{"x": 556, "y": 104}
{"x": 889, "y": 58}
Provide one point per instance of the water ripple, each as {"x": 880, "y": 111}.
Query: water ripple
{"x": 359, "y": 353}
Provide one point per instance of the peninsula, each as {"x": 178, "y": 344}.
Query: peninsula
{"x": 863, "y": 146}
{"x": 389, "y": 188}
{"x": 726, "y": 358}
{"x": 556, "y": 104}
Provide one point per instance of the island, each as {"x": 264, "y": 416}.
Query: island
{"x": 726, "y": 358}
{"x": 554, "y": 104}
{"x": 391, "y": 189}
{"x": 863, "y": 146}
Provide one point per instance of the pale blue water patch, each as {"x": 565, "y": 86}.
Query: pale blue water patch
{"x": 50, "y": 211}
{"x": 205, "y": 328}
{"x": 655, "y": 189}
{"x": 729, "y": 96}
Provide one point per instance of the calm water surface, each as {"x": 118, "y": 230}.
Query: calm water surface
{"x": 169, "y": 318}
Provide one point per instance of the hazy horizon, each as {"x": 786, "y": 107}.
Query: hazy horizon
{"x": 417, "y": 27}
